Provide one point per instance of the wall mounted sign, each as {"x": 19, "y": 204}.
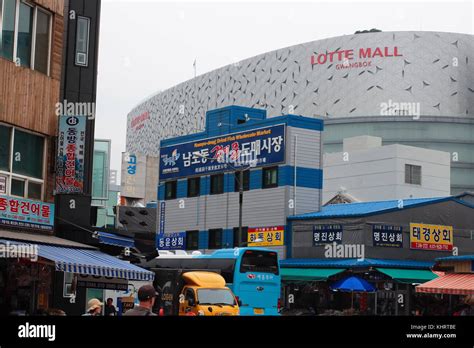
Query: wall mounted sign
{"x": 70, "y": 157}
{"x": 172, "y": 241}
{"x": 323, "y": 234}
{"x": 264, "y": 145}
{"x": 269, "y": 236}
{"x": 3, "y": 185}
{"x": 387, "y": 236}
{"x": 26, "y": 213}
{"x": 431, "y": 237}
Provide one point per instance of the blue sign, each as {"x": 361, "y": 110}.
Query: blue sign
{"x": 259, "y": 147}
{"x": 132, "y": 165}
{"x": 172, "y": 241}
{"x": 387, "y": 236}
{"x": 323, "y": 234}
{"x": 162, "y": 218}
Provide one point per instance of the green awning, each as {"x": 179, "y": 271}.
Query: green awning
{"x": 409, "y": 275}
{"x": 308, "y": 274}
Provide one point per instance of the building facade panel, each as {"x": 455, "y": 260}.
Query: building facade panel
{"x": 431, "y": 73}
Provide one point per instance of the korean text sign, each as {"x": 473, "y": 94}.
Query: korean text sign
{"x": 172, "y": 241}
{"x": 263, "y": 146}
{"x": 323, "y": 234}
{"x": 269, "y": 236}
{"x": 431, "y": 237}
{"x": 25, "y": 213}
{"x": 387, "y": 236}
{"x": 71, "y": 149}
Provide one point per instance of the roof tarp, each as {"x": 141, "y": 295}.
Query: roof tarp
{"x": 85, "y": 261}
{"x": 309, "y": 274}
{"x": 450, "y": 283}
{"x": 408, "y": 275}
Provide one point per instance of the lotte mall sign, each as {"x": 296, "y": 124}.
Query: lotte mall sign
{"x": 344, "y": 59}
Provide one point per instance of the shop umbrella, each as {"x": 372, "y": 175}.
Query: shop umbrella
{"x": 353, "y": 284}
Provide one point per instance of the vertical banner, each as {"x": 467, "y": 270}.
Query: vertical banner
{"x": 133, "y": 176}
{"x": 70, "y": 157}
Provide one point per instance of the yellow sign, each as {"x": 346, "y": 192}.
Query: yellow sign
{"x": 431, "y": 237}
{"x": 266, "y": 236}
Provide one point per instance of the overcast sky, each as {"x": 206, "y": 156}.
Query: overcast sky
{"x": 147, "y": 46}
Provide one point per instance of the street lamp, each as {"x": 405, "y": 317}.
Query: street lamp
{"x": 240, "y": 181}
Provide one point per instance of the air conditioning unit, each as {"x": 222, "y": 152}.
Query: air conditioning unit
{"x": 81, "y": 59}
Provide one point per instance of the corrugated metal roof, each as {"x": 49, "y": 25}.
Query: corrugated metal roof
{"x": 354, "y": 263}
{"x": 366, "y": 208}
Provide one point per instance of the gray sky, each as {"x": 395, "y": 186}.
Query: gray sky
{"x": 146, "y": 46}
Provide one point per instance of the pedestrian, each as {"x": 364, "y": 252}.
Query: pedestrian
{"x": 146, "y": 297}
{"x": 94, "y": 308}
{"x": 109, "y": 309}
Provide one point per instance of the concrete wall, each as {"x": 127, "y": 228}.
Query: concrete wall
{"x": 378, "y": 173}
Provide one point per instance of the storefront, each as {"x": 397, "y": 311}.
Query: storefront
{"x": 58, "y": 273}
{"x": 308, "y": 286}
{"x": 455, "y": 285}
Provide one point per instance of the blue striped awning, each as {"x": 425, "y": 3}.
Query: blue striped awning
{"x": 116, "y": 240}
{"x": 88, "y": 261}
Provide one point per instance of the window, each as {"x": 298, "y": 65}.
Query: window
{"x": 42, "y": 41}
{"x": 82, "y": 41}
{"x": 217, "y": 184}
{"x": 270, "y": 177}
{"x": 68, "y": 290}
{"x": 240, "y": 241}
{"x": 7, "y": 28}
{"x": 192, "y": 240}
{"x": 259, "y": 261}
{"x": 194, "y": 186}
{"x": 25, "y": 30}
{"x": 21, "y": 163}
{"x": 245, "y": 181}
{"x": 412, "y": 174}
{"x": 189, "y": 295}
{"x": 18, "y": 187}
{"x": 25, "y": 35}
{"x": 5, "y": 148}
{"x": 215, "y": 238}
{"x": 28, "y": 154}
{"x": 170, "y": 189}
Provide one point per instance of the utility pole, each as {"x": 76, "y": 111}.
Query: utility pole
{"x": 241, "y": 201}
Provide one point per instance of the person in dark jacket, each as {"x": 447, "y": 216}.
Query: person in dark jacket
{"x": 146, "y": 296}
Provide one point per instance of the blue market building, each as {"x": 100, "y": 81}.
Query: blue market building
{"x": 198, "y": 193}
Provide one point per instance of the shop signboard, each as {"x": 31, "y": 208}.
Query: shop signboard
{"x": 70, "y": 157}
{"x": 99, "y": 282}
{"x": 26, "y": 213}
{"x": 387, "y": 236}
{"x": 323, "y": 234}
{"x": 431, "y": 237}
{"x": 3, "y": 185}
{"x": 172, "y": 241}
{"x": 269, "y": 236}
{"x": 133, "y": 176}
{"x": 258, "y": 147}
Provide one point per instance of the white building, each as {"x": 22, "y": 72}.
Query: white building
{"x": 371, "y": 172}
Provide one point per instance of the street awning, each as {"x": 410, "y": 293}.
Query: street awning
{"x": 86, "y": 261}
{"x": 450, "y": 283}
{"x": 309, "y": 274}
{"x": 408, "y": 275}
{"x": 116, "y": 240}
